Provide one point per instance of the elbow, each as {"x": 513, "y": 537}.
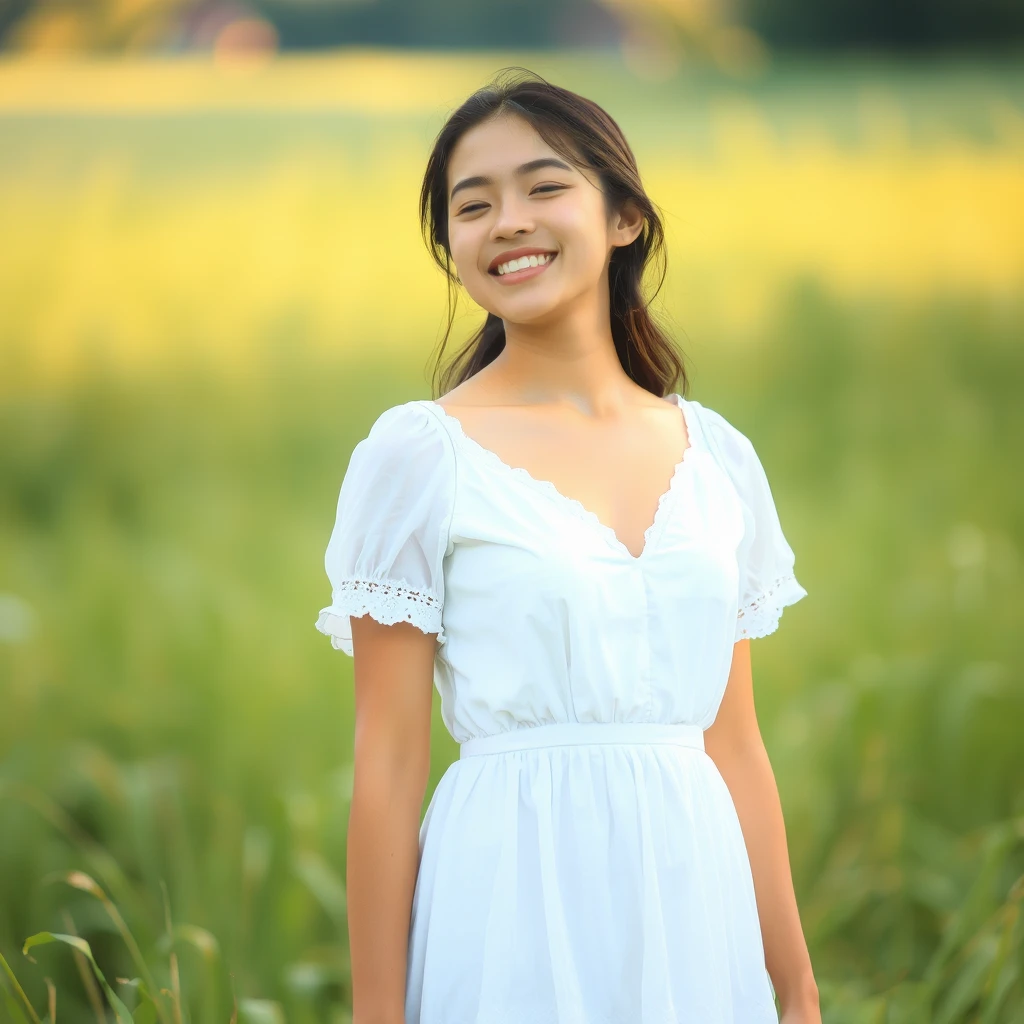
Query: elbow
{"x": 390, "y": 772}
{"x": 735, "y": 747}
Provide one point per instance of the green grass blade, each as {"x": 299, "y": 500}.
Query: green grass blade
{"x": 45, "y": 938}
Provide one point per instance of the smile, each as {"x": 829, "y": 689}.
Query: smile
{"x": 524, "y": 268}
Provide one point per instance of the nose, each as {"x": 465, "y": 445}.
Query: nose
{"x": 513, "y": 217}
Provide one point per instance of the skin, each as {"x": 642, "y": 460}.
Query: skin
{"x": 556, "y": 402}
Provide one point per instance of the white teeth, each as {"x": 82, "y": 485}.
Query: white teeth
{"x": 523, "y": 262}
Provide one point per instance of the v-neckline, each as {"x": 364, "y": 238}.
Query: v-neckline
{"x": 574, "y": 505}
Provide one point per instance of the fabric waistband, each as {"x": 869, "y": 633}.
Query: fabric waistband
{"x": 559, "y": 734}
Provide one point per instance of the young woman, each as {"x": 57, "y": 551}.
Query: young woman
{"x": 577, "y": 557}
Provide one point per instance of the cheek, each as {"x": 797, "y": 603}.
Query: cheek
{"x": 582, "y": 237}
{"x": 585, "y": 258}
{"x": 465, "y": 255}
{"x": 457, "y": 249}
{"x": 465, "y": 250}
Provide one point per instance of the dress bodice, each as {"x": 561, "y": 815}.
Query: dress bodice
{"x": 542, "y": 615}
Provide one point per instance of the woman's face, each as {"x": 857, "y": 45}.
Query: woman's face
{"x": 508, "y": 190}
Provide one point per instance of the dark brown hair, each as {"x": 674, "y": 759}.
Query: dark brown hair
{"x": 582, "y": 132}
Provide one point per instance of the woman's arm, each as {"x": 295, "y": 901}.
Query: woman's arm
{"x": 393, "y": 690}
{"x": 734, "y": 743}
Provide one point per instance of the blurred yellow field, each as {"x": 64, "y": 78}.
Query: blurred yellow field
{"x": 141, "y": 256}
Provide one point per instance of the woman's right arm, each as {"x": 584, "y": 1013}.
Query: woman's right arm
{"x": 393, "y": 673}
{"x": 385, "y": 563}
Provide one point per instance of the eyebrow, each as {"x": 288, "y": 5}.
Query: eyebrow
{"x": 530, "y": 165}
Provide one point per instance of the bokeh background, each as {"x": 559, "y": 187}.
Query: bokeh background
{"x": 211, "y": 283}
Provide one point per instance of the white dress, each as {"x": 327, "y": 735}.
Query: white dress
{"x": 582, "y": 861}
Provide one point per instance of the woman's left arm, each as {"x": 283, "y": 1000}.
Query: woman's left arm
{"x": 734, "y": 743}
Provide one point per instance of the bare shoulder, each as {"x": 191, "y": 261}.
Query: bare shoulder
{"x": 472, "y": 393}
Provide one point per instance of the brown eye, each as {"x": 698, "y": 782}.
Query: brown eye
{"x": 540, "y": 188}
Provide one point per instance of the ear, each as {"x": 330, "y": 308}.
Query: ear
{"x": 627, "y": 224}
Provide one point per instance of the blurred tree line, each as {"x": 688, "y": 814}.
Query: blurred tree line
{"x": 900, "y": 25}
{"x": 119, "y": 25}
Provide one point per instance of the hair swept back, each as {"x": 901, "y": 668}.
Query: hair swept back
{"x": 585, "y": 134}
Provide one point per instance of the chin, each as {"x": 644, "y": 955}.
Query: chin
{"x": 528, "y": 313}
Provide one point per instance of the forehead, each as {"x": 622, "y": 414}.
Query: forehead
{"x": 494, "y": 147}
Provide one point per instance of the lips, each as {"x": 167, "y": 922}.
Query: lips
{"x": 524, "y": 273}
{"x": 524, "y": 276}
{"x": 515, "y": 254}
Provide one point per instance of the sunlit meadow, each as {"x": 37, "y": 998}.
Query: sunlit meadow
{"x": 212, "y": 281}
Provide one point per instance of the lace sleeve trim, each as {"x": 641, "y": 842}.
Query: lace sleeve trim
{"x": 387, "y": 601}
{"x": 761, "y": 616}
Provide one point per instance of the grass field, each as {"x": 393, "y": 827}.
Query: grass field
{"x": 198, "y": 321}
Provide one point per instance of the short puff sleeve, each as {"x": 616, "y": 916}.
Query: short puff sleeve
{"x": 767, "y": 581}
{"x": 385, "y": 555}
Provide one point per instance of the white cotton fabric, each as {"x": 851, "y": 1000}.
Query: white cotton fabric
{"x": 582, "y": 861}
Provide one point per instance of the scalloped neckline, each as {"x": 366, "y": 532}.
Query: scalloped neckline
{"x": 574, "y": 505}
